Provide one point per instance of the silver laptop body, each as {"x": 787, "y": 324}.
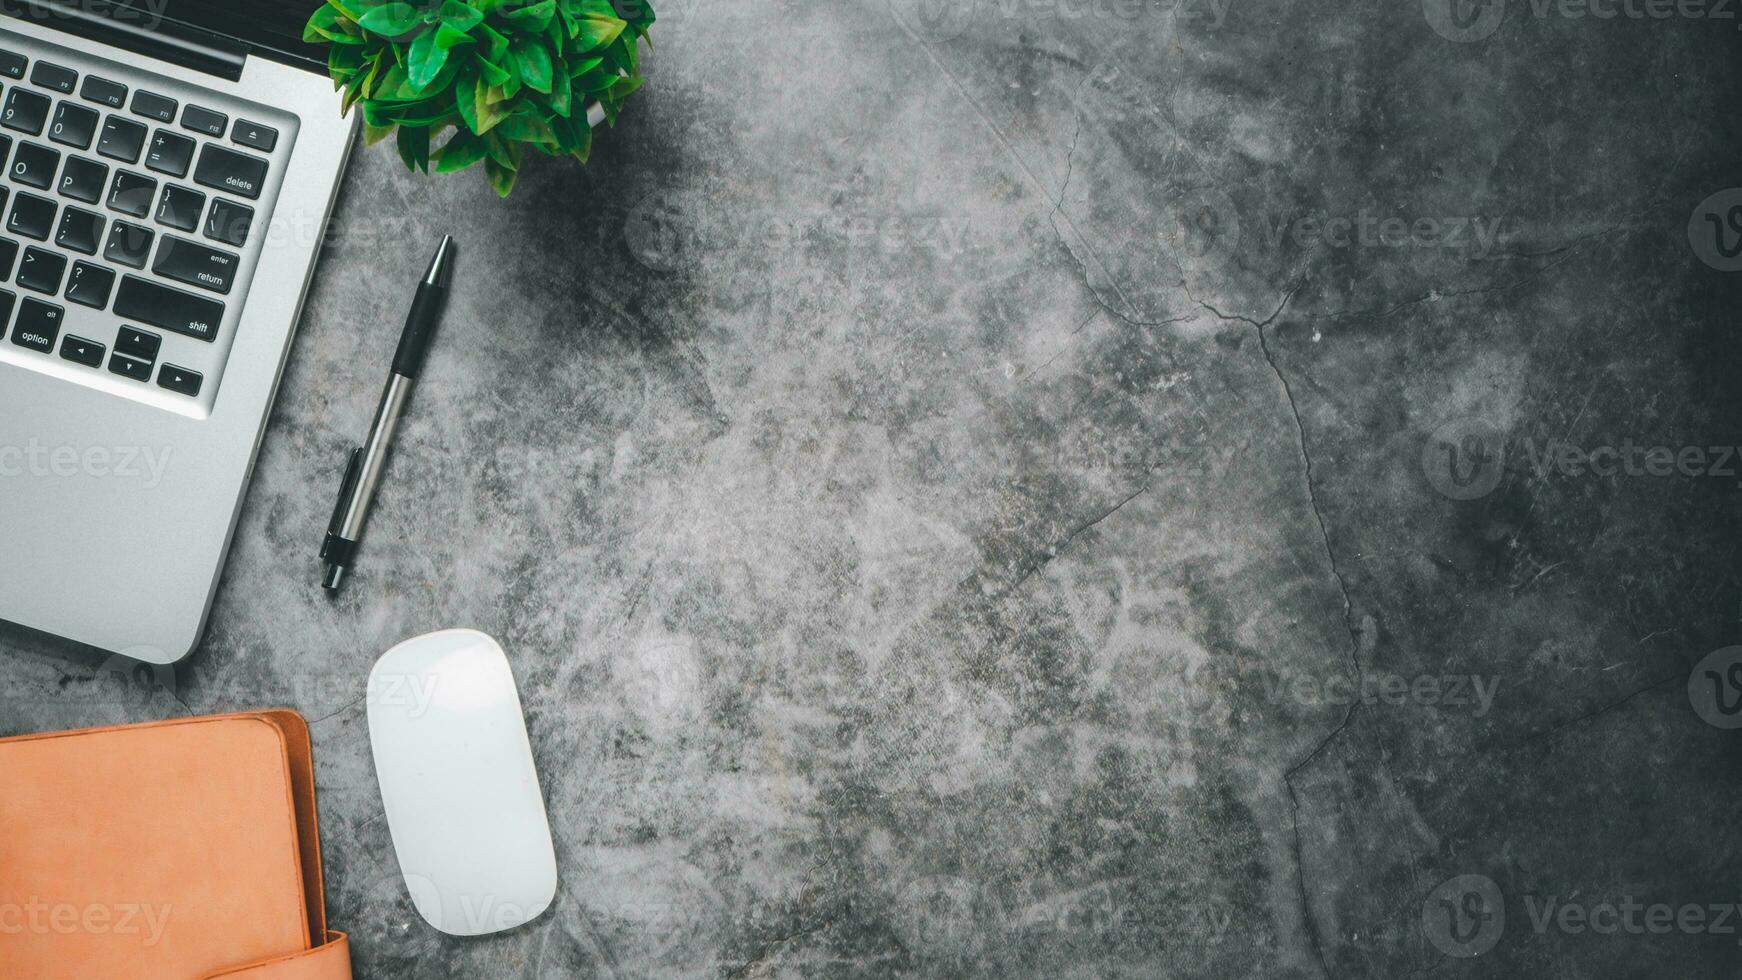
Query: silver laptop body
{"x": 134, "y": 391}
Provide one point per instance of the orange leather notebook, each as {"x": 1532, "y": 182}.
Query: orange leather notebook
{"x": 176, "y": 850}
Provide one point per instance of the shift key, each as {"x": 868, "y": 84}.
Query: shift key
{"x": 168, "y": 308}
{"x": 196, "y": 264}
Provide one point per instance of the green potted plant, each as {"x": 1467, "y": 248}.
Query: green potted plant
{"x": 503, "y": 75}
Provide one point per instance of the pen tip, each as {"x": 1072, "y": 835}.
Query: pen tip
{"x": 441, "y": 268}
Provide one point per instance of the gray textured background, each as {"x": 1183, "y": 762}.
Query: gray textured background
{"x": 938, "y": 486}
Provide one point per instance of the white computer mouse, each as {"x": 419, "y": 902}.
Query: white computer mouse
{"x": 459, "y": 784}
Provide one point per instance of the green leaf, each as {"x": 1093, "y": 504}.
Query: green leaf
{"x": 582, "y": 8}
{"x": 433, "y": 113}
{"x": 414, "y": 147}
{"x": 460, "y": 16}
{"x": 572, "y": 134}
{"x": 375, "y": 134}
{"x": 597, "y": 80}
{"x": 375, "y": 115}
{"x": 466, "y": 100}
{"x": 448, "y": 37}
{"x": 534, "y": 18}
{"x": 495, "y": 44}
{"x": 343, "y": 63}
{"x": 393, "y": 85}
{"x": 323, "y": 23}
{"x": 393, "y": 20}
{"x": 528, "y": 127}
{"x": 622, "y": 54}
{"x": 460, "y": 152}
{"x": 597, "y": 32}
{"x": 504, "y": 152}
{"x": 494, "y": 74}
{"x": 584, "y": 65}
{"x": 501, "y": 177}
{"x": 532, "y": 61}
{"x": 622, "y": 87}
{"x": 489, "y": 110}
{"x": 427, "y": 58}
{"x": 562, "y": 97}
{"x": 583, "y": 141}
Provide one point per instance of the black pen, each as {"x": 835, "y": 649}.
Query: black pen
{"x": 364, "y": 468}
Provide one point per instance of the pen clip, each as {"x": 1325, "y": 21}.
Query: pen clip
{"x": 346, "y": 488}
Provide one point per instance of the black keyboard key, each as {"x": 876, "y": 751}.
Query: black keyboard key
{"x": 153, "y": 106}
{"x": 195, "y": 264}
{"x": 12, "y": 64}
{"x": 138, "y": 343}
{"x": 41, "y": 271}
{"x": 168, "y": 308}
{"x": 129, "y": 244}
{"x": 38, "y": 325}
{"x": 180, "y": 208}
{"x": 203, "y": 120}
{"x": 230, "y": 171}
{"x": 127, "y": 367}
{"x": 229, "y": 222}
{"x": 90, "y": 285}
{"x": 25, "y": 110}
{"x": 169, "y": 153}
{"x": 34, "y": 165}
{"x": 179, "y": 379}
{"x": 82, "y": 351}
{"x": 8, "y": 255}
{"x": 122, "y": 139}
{"x": 50, "y": 75}
{"x": 262, "y": 138}
{"x": 132, "y": 193}
{"x": 104, "y": 92}
{"x": 73, "y": 125}
{"x": 83, "y": 180}
{"x": 5, "y": 149}
{"x": 80, "y": 230}
{"x": 7, "y": 300}
{"x": 32, "y": 216}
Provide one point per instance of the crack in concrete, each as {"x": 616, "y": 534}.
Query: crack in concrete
{"x": 1593, "y": 713}
{"x": 1560, "y": 254}
{"x": 1010, "y": 151}
{"x": 1070, "y": 154}
{"x": 1315, "y": 941}
{"x": 1052, "y": 551}
{"x": 773, "y": 948}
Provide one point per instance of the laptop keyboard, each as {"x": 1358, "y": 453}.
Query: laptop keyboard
{"x": 140, "y": 199}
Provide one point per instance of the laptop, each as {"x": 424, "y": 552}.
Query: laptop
{"x": 169, "y": 170}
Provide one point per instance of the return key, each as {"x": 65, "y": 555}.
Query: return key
{"x": 195, "y": 264}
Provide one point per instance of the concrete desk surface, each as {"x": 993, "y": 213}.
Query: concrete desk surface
{"x": 1024, "y": 489}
